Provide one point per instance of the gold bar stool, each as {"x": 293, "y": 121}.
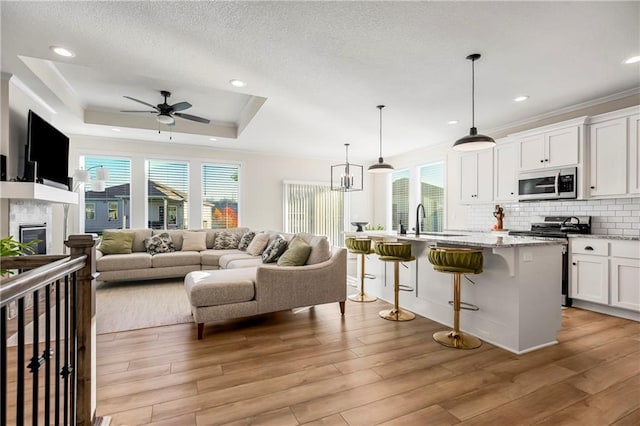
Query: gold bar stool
{"x": 457, "y": 261}
{"x": 395, "y": 252}
{"x": 361, "y": 246}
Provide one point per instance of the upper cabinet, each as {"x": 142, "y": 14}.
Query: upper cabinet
{"x": 476, "y": 176}
{"x": 505, "y": 157}
{"x": 553, "y": 148}
{"x": 613, "y": 154}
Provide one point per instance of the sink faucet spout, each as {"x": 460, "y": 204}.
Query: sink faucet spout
{"x": 418, "y": 217}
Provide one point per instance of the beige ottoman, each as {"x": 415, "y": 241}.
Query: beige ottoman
{"x": 221, "y": 294}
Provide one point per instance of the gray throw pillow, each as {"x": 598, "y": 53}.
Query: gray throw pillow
{"x": 246, "y": 240}
{"x": 160, "y": 243}
{"x": 226, "y": 240}
{"x": 274, "y": 250}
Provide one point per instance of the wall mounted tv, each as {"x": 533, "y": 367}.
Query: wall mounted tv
{"x": 47, "y": 153}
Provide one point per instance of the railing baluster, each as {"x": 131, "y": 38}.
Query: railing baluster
{"x": 20, "y": 362}
{"x": 34, "y": 365}
{"x": 57, "y": 368}
{"x": 47, "y": 355}
{"x": 74, "y": 345}
{"x": 65, "y": 369}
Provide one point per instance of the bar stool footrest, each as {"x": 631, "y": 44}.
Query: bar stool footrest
{"x": 466, "y": 306}
{"x": 403, "y": 287}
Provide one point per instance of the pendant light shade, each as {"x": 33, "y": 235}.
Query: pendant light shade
{"x": 346, "y": 177}
{"x": 380, "y": 166}
{"x": 473, "y": 141}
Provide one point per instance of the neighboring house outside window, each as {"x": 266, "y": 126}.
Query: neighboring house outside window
{"x": 432, "y": 196}
{"x": 399, "y": 199}
{"x": 98, "y": 205}
{"x": 90, "y": 211}
{"x": 315, "y": 209}
{"x": 168, "y": 183}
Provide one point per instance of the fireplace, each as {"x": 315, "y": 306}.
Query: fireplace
{"x": 30, "y": 232}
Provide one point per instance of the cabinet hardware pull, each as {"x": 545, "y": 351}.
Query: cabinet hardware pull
{"x": 589, "y": 248}
{"x": 593, "y": 187}
{"x": 542, "y": 161}
{"x": 574, "y": 263}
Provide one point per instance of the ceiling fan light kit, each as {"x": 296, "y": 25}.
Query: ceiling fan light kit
{"x": 474, "y": 140}
{"x": 380, "y": 166}
{"x": 165, "y": 113}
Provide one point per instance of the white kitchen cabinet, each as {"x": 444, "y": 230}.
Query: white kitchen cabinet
{"x": 605, "y": 271}
{"x": 607, "y": 158}
{"x": 506, "y": 169}
{"x": 554, "y": 148}
{"x": 634, "y": 154}
{"x": 476, "y": 177}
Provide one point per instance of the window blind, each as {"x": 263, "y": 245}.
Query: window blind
{"x": 220, "y": 194}
{"x": 168, "y": 186}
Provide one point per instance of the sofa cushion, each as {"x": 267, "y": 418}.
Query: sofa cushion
{"x": 212, "y": 288}
{"x": 194, "y": 241}
{"x": 320, "y": 250}
{"x": 247, "y": 262}
{"x": 116, "y": 242}
{"x": 226, "y": 240}
{"x": 175, "y": 234}
{"x": 178, "y": 258}
{"x": 224, "y": 260}
{"x": 247, "y": 237}
{"x": 138, "y": 240}
{"x": 258, "y": 244}
{"x": 212, "y": 257}
{"x": 118, "y": 262}
{"x": 160, "y": 243}
{"x": 297, "y": 253}
{"x": 274, "y": 250}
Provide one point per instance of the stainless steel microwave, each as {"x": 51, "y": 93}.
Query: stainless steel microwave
{"x": 548, "y": 184}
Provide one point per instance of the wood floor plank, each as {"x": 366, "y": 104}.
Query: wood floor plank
{"x": 433, "y": 415}
{"x": 112, "y": 406}
{"x": 607, "y": 374}
{"x": 631, "y": 419}
{"x": 280, "y": 417}
{"x": 334, "y": 420}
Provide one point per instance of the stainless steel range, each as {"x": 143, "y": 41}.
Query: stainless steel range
{"x": 558, "y": 227}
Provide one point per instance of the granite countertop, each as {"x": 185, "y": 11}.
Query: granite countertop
{"x": 606, "y": 237}
{"x": 465, "y": 238}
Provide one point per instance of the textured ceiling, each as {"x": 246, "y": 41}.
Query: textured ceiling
{"x": 317, "y": 70}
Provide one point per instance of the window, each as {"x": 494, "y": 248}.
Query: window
{"x": 113, "y": 210}
{"x": 220, "y": 196}
{"x": 168, "y": 183}
{"x": 103, "y": 208}
{"x": 399, "y": 199}
{"x": 89, "y": 211}
{"x": 432, "y": 195}
{"x": 315, "y": 209}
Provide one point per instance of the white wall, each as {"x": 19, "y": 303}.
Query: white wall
{"x": 261, "y": 178}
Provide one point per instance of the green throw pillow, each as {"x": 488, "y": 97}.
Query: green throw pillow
{"x": 297, "y": 253}
{"x": 116, "y": 242}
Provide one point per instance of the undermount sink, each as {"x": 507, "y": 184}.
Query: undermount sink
{"x": 441, "y": 234}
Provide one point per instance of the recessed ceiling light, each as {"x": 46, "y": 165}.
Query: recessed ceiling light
{"x": 632, "y": 60}
{"x": 237, "y": 83}
{"x": 521, "y": 98}
{"x": 213, "y": 139}
{"x": 115, "y": 129}
{"x": 62, "y": 51}
{"x": 452, "y": 122}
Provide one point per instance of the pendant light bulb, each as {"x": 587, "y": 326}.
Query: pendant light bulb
{"x": 380, "y": 166}
{"x": 473, "y": 141}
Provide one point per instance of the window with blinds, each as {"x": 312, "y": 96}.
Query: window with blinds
{"x": 220, "y": 194}
{"x": 167, "y": 187}
{"x": 399, "y": 199}
{"x": 432, "y": 195}
{"x": 314, "y": 208}
{"x": 107, "y": 209}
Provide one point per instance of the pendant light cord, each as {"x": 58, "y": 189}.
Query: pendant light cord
{"x": 380, "y": 108}
{"x": 473, "y": 93}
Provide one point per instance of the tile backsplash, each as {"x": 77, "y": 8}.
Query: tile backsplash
{"x": 619, "y": 216}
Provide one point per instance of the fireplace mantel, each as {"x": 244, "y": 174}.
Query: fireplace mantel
{"x": 36, "y": 191}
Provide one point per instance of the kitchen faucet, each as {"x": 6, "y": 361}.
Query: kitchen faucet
{"x": 418, "y": 217}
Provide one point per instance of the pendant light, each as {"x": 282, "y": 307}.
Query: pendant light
{"x": 346, "y": 177}
{"x": 473, "y": 141}
{"x": 380, "y": 166}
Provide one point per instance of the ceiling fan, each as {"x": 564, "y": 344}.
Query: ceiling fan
{"x": 165, "y": 112}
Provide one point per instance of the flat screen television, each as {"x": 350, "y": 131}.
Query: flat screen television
{"x": 47, "y": 153}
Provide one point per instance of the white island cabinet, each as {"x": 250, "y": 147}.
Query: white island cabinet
{"x": 518, "y": 292}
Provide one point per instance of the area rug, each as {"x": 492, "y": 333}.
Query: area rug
{"x": 122, "y": 306}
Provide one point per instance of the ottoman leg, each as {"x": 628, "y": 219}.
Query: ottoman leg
{"x": 200, "y": 330}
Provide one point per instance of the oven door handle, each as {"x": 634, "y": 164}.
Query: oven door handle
{"x": 557, "y": 184}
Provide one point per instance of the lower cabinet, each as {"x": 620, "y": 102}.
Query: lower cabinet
{"x": 605, "y": 271}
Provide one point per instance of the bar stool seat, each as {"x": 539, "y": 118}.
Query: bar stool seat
{"x": 395, "y": 252}
{"x": 457, "y": 261}
{"x": 362, "y": 247}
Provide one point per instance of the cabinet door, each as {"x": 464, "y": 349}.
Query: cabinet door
{"x": 590, "y": 278}
{"x": 485, "y": 175}
{"x": 634, "y": 155}
{"x": 561, "y": 147}
{"x": 532, "y": 153}
{"x": 468, "y": 178}
{"x": 506, "y": 172}
{"x": 625, "y": 283}
{"x": 608, "y": 158}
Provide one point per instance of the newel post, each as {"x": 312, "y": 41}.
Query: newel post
{"x": 80, "y": 245}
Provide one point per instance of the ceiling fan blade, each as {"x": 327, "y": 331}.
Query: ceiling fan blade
{"x": 180, "y": 106}
{"x": 192, "y": 117}
{"x": 152, "y": 112}
{"x": 142, "y": 102}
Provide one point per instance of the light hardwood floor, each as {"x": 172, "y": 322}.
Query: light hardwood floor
{"x": 313, "y": 367}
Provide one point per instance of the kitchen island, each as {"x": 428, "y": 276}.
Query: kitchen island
{"x": 518, "y": 292}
